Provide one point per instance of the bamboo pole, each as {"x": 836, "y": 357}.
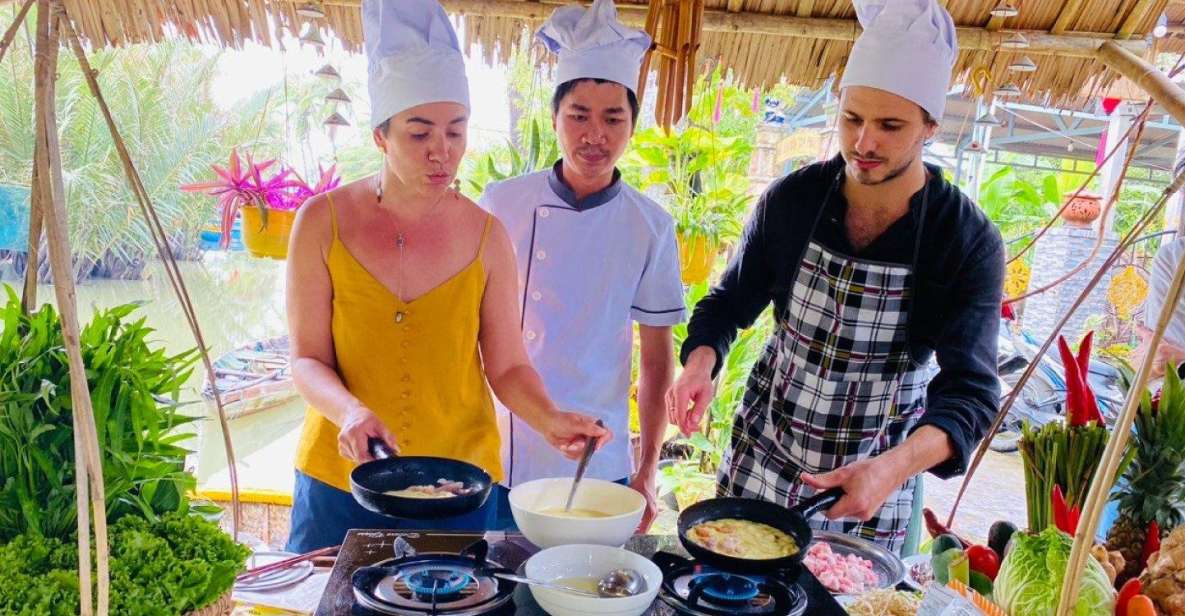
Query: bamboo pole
{"x": 1146, "y": 77}
{"x": 1104, "y": 477}
{"x": 172, "y": 271}
{"x": 88, "y": 468}
{"x": 650, "y": 26}
{"x": 36, "y": 218}
{"x": 1123, "y": 244}
{"x": 9, "y": 34}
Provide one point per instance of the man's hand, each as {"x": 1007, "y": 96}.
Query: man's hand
{"x": 646, "y": 485}
{"x": 689, "y": 396}
{"x": 867, "y": 484}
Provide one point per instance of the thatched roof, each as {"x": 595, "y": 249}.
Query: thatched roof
{"x": 803, "y": 41}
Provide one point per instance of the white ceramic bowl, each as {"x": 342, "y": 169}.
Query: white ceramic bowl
{"x": 623, "y": 505}
{"x": 576, "y": 561}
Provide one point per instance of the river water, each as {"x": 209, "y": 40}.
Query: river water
{"x": 238, "y": 299}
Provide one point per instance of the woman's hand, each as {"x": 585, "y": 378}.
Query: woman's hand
{"x": 568, "y": 432}
{"x": 359, "y": 426}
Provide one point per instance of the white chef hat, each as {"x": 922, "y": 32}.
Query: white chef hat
{"x": 908, "y": 47}
{"x": 412, "y": 55}
{"x": 592, "y": 44}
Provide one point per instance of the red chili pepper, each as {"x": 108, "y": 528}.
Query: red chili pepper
{"x": 1081, "y": 406}
{"x": 1007, "y": 312}
{"x": 1074, "y": 401}
{"x": 1064, "y": 518}
{"x": 936, "y": 527}
{"x": 1090, "y": 404}
{"x": 1151, "y": 543}
{"x": 1130, "y": 589}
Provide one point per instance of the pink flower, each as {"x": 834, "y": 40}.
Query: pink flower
{"x": 241, "y": 184}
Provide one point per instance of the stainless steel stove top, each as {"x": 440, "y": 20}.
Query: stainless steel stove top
{"x": 440, "y": 580}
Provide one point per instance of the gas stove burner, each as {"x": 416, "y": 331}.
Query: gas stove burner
{"x": 725, "y": 588}
{"x": 699, "y": 590}
{"x": 438, "y": 584}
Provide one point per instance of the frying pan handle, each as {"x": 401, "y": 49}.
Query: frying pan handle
{"x": 819, "y": 502}
{"x": 379, "y": 449}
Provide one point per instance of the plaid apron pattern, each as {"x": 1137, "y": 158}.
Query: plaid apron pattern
{"x": 834, "y": 385}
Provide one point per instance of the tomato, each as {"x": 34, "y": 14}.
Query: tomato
{"x": 1140, "y": 605}
{"x": 984, "y": 560}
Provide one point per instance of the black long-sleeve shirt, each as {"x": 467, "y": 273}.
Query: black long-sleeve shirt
{"x": 955, "y": 312}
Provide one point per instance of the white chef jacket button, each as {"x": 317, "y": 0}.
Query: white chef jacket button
{"x": 544, "y": 213}
{"x": 541, "y": 254}
{"x": 536, "y": 296}
{"x": 530, "y": 334}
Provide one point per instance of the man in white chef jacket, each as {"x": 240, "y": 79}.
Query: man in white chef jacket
{"x": 594, "y": 256}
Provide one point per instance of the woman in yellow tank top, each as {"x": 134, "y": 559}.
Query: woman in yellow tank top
{"x": 402, "y": 312}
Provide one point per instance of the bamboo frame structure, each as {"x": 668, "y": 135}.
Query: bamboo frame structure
{"x": 1147, "y": 77}
{"x": 173, "y": 273}
{"x": 48, "y": 214}
{"x": 1079, "y": 45}
{"x": 89, "y": 488}
{"x": 1104, "y": 477}
{"x": 48, "y": 207}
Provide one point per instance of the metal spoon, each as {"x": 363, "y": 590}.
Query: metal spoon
{"x": 590, "y": 446}
{"x": 621, "y": 583}
{"x": 552, "y": 585}
{"x": 616, "y": 583}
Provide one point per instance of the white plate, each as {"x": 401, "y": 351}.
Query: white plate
{"x": 275, "y": 579}
{"x": 910, "y": 561}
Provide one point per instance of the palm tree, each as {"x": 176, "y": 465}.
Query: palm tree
{"x": 160, "y": 98}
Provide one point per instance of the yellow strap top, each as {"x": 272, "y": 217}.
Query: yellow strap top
{"x": 415, "y": 364}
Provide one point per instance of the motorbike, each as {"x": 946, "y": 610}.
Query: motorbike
{"x": 1043, "y": 398}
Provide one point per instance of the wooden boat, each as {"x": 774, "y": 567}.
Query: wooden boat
{"x": 252, "y": 378}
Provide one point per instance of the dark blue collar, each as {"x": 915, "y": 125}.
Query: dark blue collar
{"x": 555, "y": 179}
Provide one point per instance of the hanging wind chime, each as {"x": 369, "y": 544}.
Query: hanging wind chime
{"x": 675, "y": 27}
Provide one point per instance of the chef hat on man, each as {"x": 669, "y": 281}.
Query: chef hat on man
{"x": 412, "y": 56}
{"x": 592, "y": 44}
{"x": 908, "y": 47}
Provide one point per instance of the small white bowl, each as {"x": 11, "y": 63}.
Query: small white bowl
{"x": 623, "y": 505}
{"x": 595, "y": 561}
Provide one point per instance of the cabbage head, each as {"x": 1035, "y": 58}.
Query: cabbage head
{"x": 1031, "y": 577}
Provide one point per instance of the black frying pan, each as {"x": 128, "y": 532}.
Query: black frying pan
{"x": 792, "y": 521}
{"x": 370, "y": 482}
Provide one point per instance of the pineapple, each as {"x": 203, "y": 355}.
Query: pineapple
{"x": 1155, "y": 480}
{"x": 1164, "y": 580}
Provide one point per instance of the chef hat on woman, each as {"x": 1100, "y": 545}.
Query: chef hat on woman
{"x": 412, "y": 55}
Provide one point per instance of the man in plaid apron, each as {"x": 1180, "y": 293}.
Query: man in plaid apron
{"x": 874, "y": 263}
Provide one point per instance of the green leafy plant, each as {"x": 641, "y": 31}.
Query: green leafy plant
{"x": 172, "y": 566}
{"x": 539, "y": 151}
{"x": 702, "y": 168}
{"x": 1016, "y": 205}
{"x": 686, "y": 477}
{"x": 135, "y": 389}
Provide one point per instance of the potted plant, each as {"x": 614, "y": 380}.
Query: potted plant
{"x": 268, "y": 206}
{"x": 701, "y": 171}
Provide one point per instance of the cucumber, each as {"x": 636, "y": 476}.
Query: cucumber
{"x": 981, "y": 583}
{"x": 998, "y": 536}
{"x": 945, "y": 542}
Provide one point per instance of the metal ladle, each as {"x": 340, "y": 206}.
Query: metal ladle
{"x": 621, "y": 583}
